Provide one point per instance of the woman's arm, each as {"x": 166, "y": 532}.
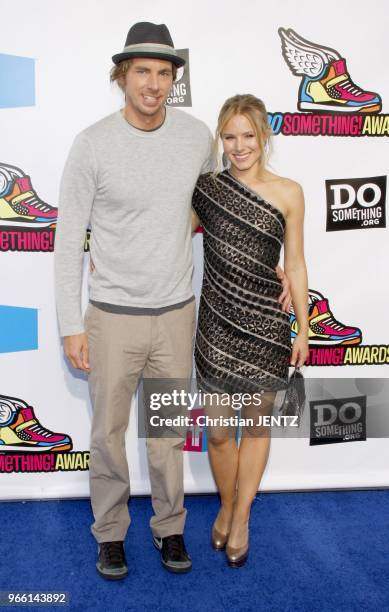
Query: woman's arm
{"x": 195, "y": 221}
{"x": 295, "y": 268}
{"x": 285, "y": 298}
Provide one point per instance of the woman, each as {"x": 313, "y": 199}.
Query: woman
{"x": 243, "y": 339}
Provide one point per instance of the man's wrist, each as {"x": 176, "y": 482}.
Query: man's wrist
{"x": 69, "y": 332}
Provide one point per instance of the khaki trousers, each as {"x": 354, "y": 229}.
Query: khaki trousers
{"x": 121, "y": 348}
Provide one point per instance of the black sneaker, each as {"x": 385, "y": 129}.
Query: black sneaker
{"x": 112, "y": 563}
{"x": 174, "y": 556}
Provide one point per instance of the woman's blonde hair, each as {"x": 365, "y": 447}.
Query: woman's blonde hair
{"x": 119, "y": 71}
{"x": 255, "y": 111}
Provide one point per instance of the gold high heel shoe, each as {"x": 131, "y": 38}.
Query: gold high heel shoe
{"x": 218, "y": 539}
{"x": 236, "y": 557}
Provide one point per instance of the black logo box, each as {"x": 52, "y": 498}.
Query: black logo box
{"x": 335, "y": 420}
{"x": 180, "y": 94}
{"x": 356, "y": 215}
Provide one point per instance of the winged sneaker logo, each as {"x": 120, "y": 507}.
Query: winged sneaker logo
{"x": 332, "y": 343}
{"x": 28, "y": 446}
{"x": 326, "y": 85}
{"x": 330, "y": 103}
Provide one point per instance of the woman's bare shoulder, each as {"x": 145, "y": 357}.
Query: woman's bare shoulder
{"x": 288, "y": 193}
{"x": 288, "y": 187}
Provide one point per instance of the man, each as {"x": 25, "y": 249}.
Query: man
{"x": 131, "y": 176}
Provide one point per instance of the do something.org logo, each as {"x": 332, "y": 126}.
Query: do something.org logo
{"x": 357, "y": 203}
{"x": 180, "y": 93}
{"x": 338, "y": 420}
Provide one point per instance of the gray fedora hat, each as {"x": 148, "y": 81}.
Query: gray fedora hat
{"x": 149, "y": 40}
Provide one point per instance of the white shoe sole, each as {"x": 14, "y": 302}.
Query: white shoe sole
{"x": 342, "y": 108}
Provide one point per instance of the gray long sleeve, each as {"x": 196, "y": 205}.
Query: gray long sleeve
{"x": 77, "y": 192}
{"x": 134, "y": 188}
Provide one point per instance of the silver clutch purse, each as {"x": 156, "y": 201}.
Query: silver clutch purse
{"x": 294, "y": 400}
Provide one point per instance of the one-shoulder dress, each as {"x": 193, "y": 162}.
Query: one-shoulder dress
{"x": 243, "y": 336}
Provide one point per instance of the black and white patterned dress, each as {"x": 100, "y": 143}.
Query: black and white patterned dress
{"x": 243, "y": 337}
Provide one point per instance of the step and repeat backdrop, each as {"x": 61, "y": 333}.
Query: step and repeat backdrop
{"x": 322, "y": 75}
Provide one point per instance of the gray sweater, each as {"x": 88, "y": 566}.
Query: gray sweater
{"x": 134, "y": 188}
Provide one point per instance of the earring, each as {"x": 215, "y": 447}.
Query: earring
{"x": 225, "y": 162}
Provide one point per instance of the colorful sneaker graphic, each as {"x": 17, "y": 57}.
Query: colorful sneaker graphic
{"x": 326, "y": 85}
{"x": 20, "y": 206}
{"x": 324, "y": 329}
{"x": 21, "y": 431}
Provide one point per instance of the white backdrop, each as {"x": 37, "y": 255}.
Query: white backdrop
{"x": 234, "y": 48}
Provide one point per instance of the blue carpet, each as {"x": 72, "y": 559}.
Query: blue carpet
{"x": 324, "y": 551}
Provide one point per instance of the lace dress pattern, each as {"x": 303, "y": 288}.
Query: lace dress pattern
{"x": 243, "y": 337}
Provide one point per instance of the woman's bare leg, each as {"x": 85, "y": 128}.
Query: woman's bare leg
{"x": 253, "y": 455}
{"x": 223, "y": 457}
